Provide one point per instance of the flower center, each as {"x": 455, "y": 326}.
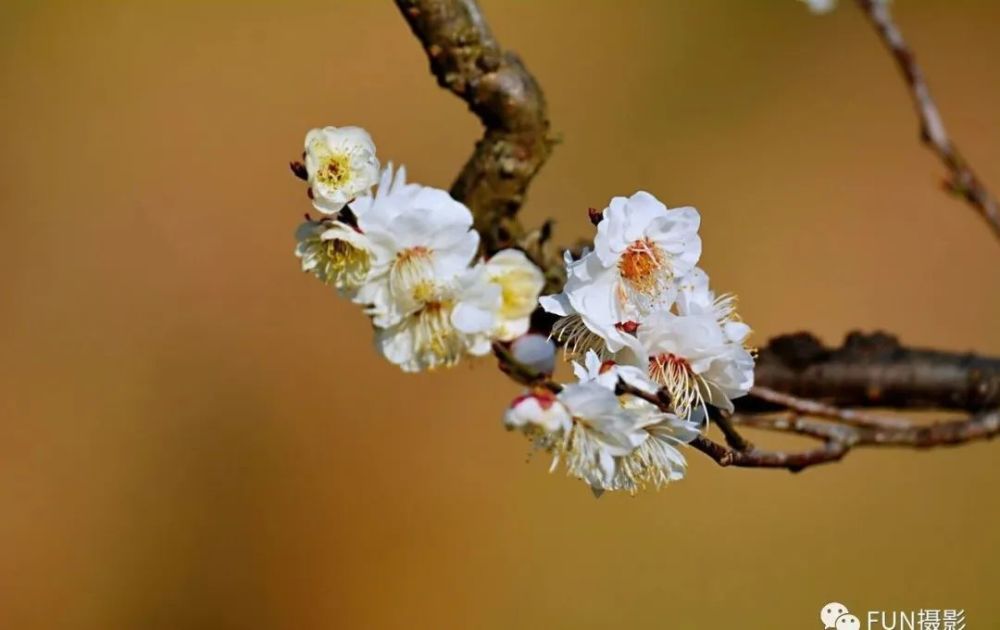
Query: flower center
{"x": 413, "y": 255}
{"x": 642, "y": 266}
{"x": 516, "y": 300}
{"x": 346, "y": 263}
{"x": 434, "y": 334}
{"x": 425, "y": 291}
{"x": 412, "y": 273}
{"x": 334, "y": 170}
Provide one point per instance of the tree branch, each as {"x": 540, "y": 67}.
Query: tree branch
{"x": 811, "y": 386}
{"x": 804, "y": 406}
{"x": 961, "y": 178}
{"x": 468, "y": 61}
{"x": 756, "y": 458}
{"x": 875, "y": 371}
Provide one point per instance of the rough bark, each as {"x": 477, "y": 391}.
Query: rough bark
{"x": 468, "y": 61}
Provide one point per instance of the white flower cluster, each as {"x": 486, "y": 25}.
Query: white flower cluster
{"x": 408, "y": 254}
{"x": 612, "y": 442}
{"x": 637, "y": 307}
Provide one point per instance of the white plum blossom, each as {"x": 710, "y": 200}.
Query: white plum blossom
{"x": 336, "y": 253}
{"x": 640, "y": 250}
{"x": 520, "y": 282}
{"x": 603, "y": 430}
{"x": 421, "y": 243}
{"x": 694, "y": 297}
{"x": 498, "y": 296}
{"x": 612, "y": 442}
{"x": 639, "y": 299}
{"x": 607, "y": 373}
{"x": 392, "y": 192}
{"x": 696, "y": 358}
{"x": 644, "y": 247}
{"x": 341, "y": 165}
{"x": 538, "y": 414}
{"x": 427, "y": 339}
{"x": 577, "y": 329}
{"x": 657, "y": 460}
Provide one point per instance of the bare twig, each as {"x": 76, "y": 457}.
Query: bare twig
{"x": 795, "y": 462}
{"x": 807, "y": 407}
{"x": 979, "y": 426}
{"x": 838, "y": 440}
{"x": 961, "y": 178}
{"x": 468, "y": 61}
{"x": 733, "y": 437}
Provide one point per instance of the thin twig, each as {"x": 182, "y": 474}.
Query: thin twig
{"x": 794, "y": 462}
{"x": 733, "y": 437}
{"x": 815, "y": 408}
{"x": 961, "y": 178}
{"x": 980, "y": 426}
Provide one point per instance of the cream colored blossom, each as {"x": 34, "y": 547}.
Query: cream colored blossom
{"x": 500, "y": 295}
{"x": 341, "y": 165}
{"x": 421, "y": 244}
{"x": 335, "y": 253}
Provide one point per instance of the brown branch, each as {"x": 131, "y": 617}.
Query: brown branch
{"x": 838, "y": 440}
{"x": 874, "y": 370}
{"x": 961, "y": 178}
{"x": 733, "y": 437}
{"x": 468, "y": 61}
{"x": 979, "y": 426}
{"x": 814, "y": 408}
{"x": 756, "y": 458}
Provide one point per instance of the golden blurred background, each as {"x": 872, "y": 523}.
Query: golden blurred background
{"x": 193, "y": 434}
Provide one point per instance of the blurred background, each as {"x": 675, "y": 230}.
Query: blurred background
{"x": 194, "y": 434}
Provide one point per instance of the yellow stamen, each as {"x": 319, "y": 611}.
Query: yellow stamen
{"x": 674, "y": 374}
{"x": 576, "y": 338}
{"x": 413, "y": 272}
{"x": 345, "y": 264}
{"x": 434, "y": 334}
{"x": 334, "y": 170}
{"x": 643, "y": 266}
